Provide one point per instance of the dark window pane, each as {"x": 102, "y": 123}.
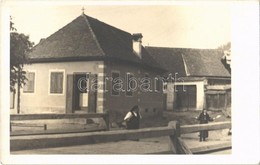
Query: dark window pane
{"x": 115, "y": 84}
{"x": 130, "y": 85}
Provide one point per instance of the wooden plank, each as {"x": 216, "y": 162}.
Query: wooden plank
{"x": 182, "y": 147}
{"x": 27, "y": 125}
{"x": 44, "y": 141}
{"x": 211, "y": 148}
{"x": 210, "y": 126}
{"x": 55, "y": 116}
{"x": 173, "y": 138}
{"x": 107, "y": 121}
{"x": 48, "y": 132}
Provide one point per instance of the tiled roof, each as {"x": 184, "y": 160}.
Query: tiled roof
{"x": 88, "y": 38}
{"x": 190, "y": 62}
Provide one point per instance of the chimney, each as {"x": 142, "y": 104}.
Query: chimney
{"x": 42, "y": 39}
{"x": 137, "y": 44}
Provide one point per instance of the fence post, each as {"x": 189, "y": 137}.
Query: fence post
{"x": 106, "y": 118}
{"x": 175, "y": 125}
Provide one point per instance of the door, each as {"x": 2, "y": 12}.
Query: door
{"x": 70, "y": 94}
{"x": 79, "y": 97}
{"x": 92, "y": 97}
{"x": 186, "y": 97}
{"x": 81, "y": 82}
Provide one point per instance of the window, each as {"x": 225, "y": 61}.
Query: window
{"x": 146, "y": 110}
{"x": 146, "y": 82}
{"x": 157, "y": 84}
{"x": 165, "y": 86}
{"x": 154, "y": 110}
{"x": 130, "y": 84}
{"x": 29, "y": 86}
{"x": 56, "y": 82}
{"x": 115, "y": 84}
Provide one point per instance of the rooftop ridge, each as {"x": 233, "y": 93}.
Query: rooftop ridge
{"x": 162, "y": 47}
{"x": 92, "y": 33}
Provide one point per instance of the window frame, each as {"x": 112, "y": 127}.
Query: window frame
{"x": 118, "y": 72}
{"x": 147, "y": 75}
{"x": 126, "y": 91}
{"x": 158, "y": 84}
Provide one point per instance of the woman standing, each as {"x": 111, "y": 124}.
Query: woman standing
{"x": 204, "y": 118}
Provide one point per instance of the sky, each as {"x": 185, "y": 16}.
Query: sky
{"x": 186, "y": 26}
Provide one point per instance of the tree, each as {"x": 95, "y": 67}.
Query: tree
{"x": 226, "y": 46}
{"x": 20, "y": 46}
{"x": 226, "y": 59}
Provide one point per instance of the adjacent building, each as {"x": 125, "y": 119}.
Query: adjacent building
{"x": 197, "y": 78}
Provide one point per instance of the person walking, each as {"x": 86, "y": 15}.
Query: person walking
{"x": 132, "y": 118}
{"x": 204, "y": 118}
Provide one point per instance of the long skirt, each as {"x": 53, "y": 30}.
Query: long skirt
{"x": 204, "y": 134}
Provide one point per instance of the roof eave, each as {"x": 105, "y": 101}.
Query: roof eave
{"x": 210, "y": 76}
{"x": 95, "y": 58}
{"x": 65, "y": 59}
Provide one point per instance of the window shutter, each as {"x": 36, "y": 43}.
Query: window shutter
{"x": 29, "y": 86}
{"x": 56, "y": 82}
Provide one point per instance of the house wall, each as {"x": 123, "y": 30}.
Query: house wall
{"x": 171, "y": 95}
{"x": 41, "y": 101}
{"x": 151, "y": 103}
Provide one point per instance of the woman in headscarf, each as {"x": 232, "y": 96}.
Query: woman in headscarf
{"x": 132, "y": 118}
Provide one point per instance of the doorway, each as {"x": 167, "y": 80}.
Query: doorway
{"x": 79, "y": 97}
{"x": 81, "y": 92}
{"x": 186, "y": 97}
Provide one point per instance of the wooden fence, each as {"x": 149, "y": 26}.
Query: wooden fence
{"x": 186, "y": 129}
{"x": 173, "y": 130}
{"x": 22, "y": 117}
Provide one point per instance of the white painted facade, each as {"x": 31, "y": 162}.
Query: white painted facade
{"x": 41, "y": 100}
